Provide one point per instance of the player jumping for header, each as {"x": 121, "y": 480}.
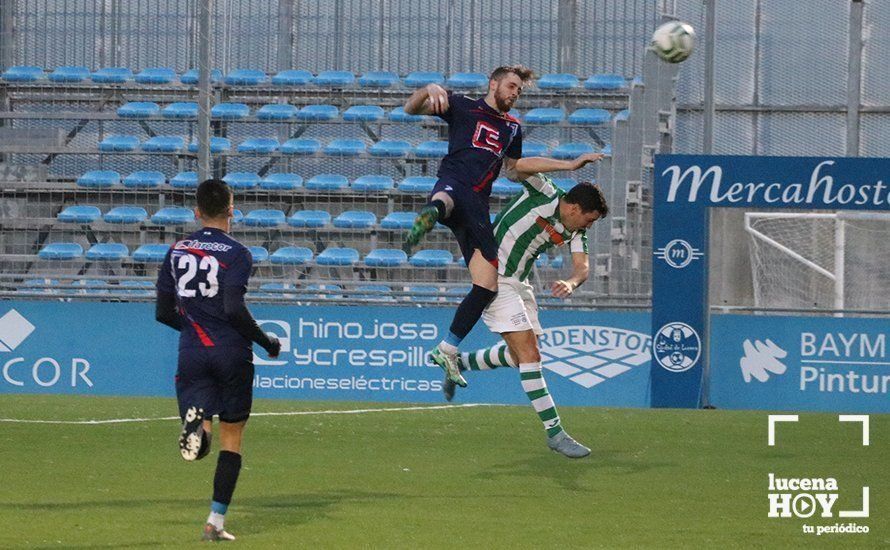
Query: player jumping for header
{"x": 482, "y": 136}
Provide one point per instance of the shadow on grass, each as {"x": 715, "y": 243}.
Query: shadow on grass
{"x": 573, "y": 474}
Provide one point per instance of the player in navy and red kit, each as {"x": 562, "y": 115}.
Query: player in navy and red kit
{"x": 482, "y": 137}
{"x": 201, "y": 287}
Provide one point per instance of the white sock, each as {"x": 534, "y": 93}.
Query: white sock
{"x": 217, "y": 520}
{"x": 445, "y": 347}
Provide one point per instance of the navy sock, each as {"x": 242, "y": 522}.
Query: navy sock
{"x": 440, "y": 207}
{"x": 227, "y": 468}
{"x": 470, "y": 310}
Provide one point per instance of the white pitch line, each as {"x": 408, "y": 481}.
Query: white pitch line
{"x": 288, "y": 413}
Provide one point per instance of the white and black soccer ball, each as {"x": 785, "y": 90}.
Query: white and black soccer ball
{"x": 673, "y": 41}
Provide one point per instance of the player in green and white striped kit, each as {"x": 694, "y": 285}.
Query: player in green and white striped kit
{"x": 542, "y": 216}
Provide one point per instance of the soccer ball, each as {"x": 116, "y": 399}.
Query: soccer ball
{"x": 673, "y": 41}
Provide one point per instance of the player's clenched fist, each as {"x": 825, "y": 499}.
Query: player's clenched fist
{"x": 437, "y": 99}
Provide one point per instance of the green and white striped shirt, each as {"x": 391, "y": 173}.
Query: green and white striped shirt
{"x": 529, "y": 225}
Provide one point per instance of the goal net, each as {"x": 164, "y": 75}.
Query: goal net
{"x": 835, "y": 261}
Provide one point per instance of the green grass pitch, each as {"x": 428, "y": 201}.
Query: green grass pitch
{"x": 473, "y": 477}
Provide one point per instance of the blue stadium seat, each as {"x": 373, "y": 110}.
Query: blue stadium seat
{"x": 345, "y": 148}
{"x": 230, "y": 111}
{"x": 327, "y": 182}
{"x": 399, "y": 115}
{"x": 217, "y": 145}
{"x": 185, "y": 180}
{"x": 23, "y": 73}
{"x": 281, "y": 181}
{"x": 150, "y": 253}
{"x": 88, "y": 286}
{"x": 593, "y": 117}
{"x": 534, "y": 149}
{"x": 246, "y": 77}
{"x": 386, "y": 257}
{"x": 337, "y": 256}
{"x": 418, "y": 79}
{"x": 145, "y": 179}
{"x": 504, "y": 187}
{"x": 457, "y": 292}
{"x": 558, "y": 81}
{"x": 60, "y": 251}
{"x": 272, "y": 290}
{"x": 622, "y": 115}
{"x": 417, "y": 184}
{"x": 390, "y": 149}
{"x": 605, "y": 82}
{"x": 565, "y": 183}
{"x": 372, "y": 184}
{"x": 242, "y": 180}
{"x": 318, "y": 112}
{"x": 363, "y": 113}
{"x": 156, "y": 75}
{"x": 164, "y": 144}
{"x": 181, "y": 109}
{"x": 398, "y": 220}
{"x": 276, "y": 111}
{"x": 431, "y": 149}
{"x": 107, "y": 252}
{"x": 191, "y": 76}
{"x": 264, "y": 218}
{"x": 126, "y": 214}
{"x": 301, "y": 146}
{"x": 466, "y": 81}
{"x": 309, "y": 218}
{"x": 542, "y": 261}
{"x": 237, "y": 216}
{"x": 557, "y": 262}
{"x": 258, "y": 146}
{"x": 99, "y": 178}
{"x": 291, "y": 255}
{"x": 378, "y": 79}
{"x": 607, "y": 150}
{"x": 69, "y": 74}
{"x": 545, "y": 115}
{"x": 137, "y": 288}
{"x": 422, "y": 293}
{"x": 79, "y": 214}
{"x": 355, "y": 219}
{"x": 42, "y": 286}
{"x": 173, "y": 215}
{"x": 119, "y": 143}
{"x": 568, "y": 151}
{"x": 373, "y": 292}
{"x": 431, "y": 257}
{"x": 292, "y": 77}
{"x": 259, "y": 254}
{"x": 336, "y": 79}
{"x": 326, "y": 290}
{"x": 138, "y": 109}
{"x": 112, "y": 75}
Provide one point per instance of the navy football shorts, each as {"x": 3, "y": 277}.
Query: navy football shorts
{"x": 217, "y": 379}
{"x": 470, "y": 220}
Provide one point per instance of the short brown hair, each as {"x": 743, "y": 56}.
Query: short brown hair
{"x": 524, "y": 73}
{"x": 589, "y": 197}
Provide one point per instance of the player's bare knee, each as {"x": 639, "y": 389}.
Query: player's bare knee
{"x": 446, "y": 200}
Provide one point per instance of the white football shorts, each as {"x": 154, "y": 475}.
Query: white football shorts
{"x": 514, "y": 309}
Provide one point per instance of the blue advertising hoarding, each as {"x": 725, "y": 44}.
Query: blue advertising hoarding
{"x": 329, "y": 353}
{"x": 685, "y": 187}
{"x": 800, "y": 363}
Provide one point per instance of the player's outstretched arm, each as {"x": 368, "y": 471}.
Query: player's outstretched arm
{"x": 165, "y": 310}
{"x": 580, "y": 271}
{"x": 528, "y": 166}
{"x": 432, "y": 99}
{"x": 242, "y": 320}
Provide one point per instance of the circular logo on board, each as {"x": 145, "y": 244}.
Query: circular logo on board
{"x": 676, "y": 347}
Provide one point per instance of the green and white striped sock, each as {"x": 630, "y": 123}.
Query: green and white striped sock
{"x": 486, "y": 359}
{"x": 536, "y": 389}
